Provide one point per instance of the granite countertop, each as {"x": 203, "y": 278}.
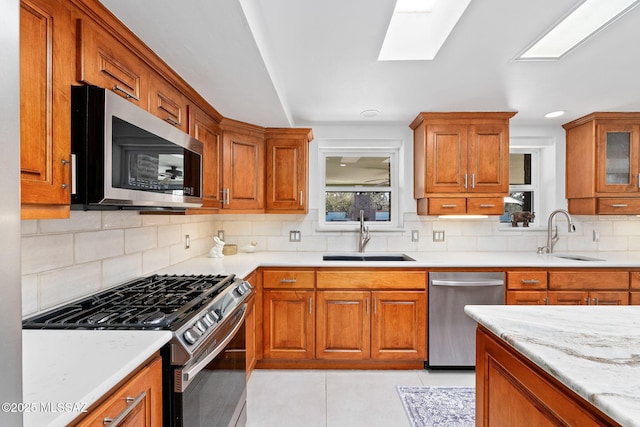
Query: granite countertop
{"x": 594, "y": 351}
{"x": 242, "y": 264}
{"x": 65, "y": 371}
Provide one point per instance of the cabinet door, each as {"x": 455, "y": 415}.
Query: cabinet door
{"x": 139, "y": 401}
{"x": 634, "y": 298}
{"x": 617, "y": 147}
{"x": 286, "y": 175}
{"x": 568, "y": 297}
{"x": 399, "y": 325}
{"x": 608, "y": 298}
{"x": 527, "y": 298}
{"x": 44, "y": 108}
{"x": 167, "y": 103}
{"x": 288, "y": 324}
{"x": 446, "y": 159}
{"x": 488, "y": 159}
{"x": 243, "y": 171}
{"x": 104, "y": 61}
{"x": 205, "y": 129}
{"x": 343, "y": 325}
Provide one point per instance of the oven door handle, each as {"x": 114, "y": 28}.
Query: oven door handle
{"x": 183, "y": 377}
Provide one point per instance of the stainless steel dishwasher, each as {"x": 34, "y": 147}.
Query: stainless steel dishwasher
{"x": 452, "y": 339}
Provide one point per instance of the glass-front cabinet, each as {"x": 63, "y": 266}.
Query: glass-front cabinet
{"x": 618, "y": 154}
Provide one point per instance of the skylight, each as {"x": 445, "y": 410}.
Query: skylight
{"x": 587, "y": 19}
{"x": 418, "y": 28}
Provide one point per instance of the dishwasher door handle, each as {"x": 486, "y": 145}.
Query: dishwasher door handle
{"x": 462, "y": 283}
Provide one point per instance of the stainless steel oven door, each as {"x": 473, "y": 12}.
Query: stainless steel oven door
{"x": 211, "y": 390}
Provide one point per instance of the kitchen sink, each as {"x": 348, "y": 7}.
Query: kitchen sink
{"x": 576, "y": 257}
{"x": 400, "y": 257}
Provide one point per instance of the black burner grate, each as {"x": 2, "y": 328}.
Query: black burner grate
{"x": 154, "y": 302}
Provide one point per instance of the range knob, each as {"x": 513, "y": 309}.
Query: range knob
{"x": 243, "y": 287}
{"x": 216, "y": 314}
{"x": 201, "y": 326}
{"x": 208, "y": 320}
{"x": 190, "y": 336}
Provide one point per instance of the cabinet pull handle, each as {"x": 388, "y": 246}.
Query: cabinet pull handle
{"x": 619, "y": 205}
{"x": 448, "y": 206}
{"x": 465, "y": 181}
{"x": 225, "y": 196}
{"x": 131, "y": 404}
{"x": 301, "y": 199}
{"x": 287, "y": 280}
{"x": 487, "y": 205}
{"x": 64, "y": 186}
{"x": 310, "y": 305}
{"x": 174, "y": 122}
{"x": 127, "y": 94}
{"x": 375, "y": 305}
{"x": 529, "y": 281}
{"x": 366, "y": 305}
{"x": 73, "y": 174}
{"x": 64, "y": 162}
{"x": 587, "y": 301}
{"x": 639, "y": 180}
{"x": 473, "y": 181}
{"x": 595, "y": 301}
{"x": 546, "y": 301}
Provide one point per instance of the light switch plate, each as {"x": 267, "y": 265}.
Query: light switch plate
{"x": 438, "y": 236}
{"x": 415, "y": 235}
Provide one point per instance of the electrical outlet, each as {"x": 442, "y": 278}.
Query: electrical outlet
{"x": 221, "y": 235}
{"x": 596, "y": 236}
{"x": 415, "y": 235}
{"x": 294, "y": 236}
{"x": 187, "y": 241}
{"x": 438, "y": 236}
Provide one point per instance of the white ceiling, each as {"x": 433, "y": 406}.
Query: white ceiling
{"x": 303, "y": 62}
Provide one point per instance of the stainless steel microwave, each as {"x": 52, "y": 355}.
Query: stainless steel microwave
{"x": 124, "y": 157}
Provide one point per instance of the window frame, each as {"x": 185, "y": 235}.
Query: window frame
{"x": 534, "y": 187}
{"x": 362, "y": 148}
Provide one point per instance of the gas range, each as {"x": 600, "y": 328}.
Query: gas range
{"x": 194, "y": 308}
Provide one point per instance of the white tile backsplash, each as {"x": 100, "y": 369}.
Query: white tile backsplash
{"x": 108, "y": 248}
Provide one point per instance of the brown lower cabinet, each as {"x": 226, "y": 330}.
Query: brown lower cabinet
{"x": 512, "y": 391}
{"x": 288, "y": 324}
{"x": 377, "y": 325}
{"x": 138, "y": 401}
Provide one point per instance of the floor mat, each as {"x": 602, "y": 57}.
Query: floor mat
{"x": 439, "y": 406}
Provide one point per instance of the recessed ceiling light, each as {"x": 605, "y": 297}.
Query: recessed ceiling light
{"x": 418, "y": 28}
{"x": 554, "y": 114}
{"x": 368, "y": 114}
{"x": 583, "y": 22}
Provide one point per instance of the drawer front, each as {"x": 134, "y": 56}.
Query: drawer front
{"x": 288, "y": 279}
{"x": 634, "y": 298}
{"x": 453, "y": 206}
{"x": 527, "y": 298}
{"x": 635, "y": 280}
{"x": 376, "y": 279}
{"x": 565, "y": 280}
{"x": 622, "y": 206}
{"x": 527, "y": 280}
{"x": 485, "y": 206}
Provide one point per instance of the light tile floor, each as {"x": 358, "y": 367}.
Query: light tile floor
{"x": 318, "y": 398}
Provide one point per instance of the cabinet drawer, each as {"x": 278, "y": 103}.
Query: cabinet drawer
{"x": 635, "y": 280}
{"x": 372, "y": 279}
{"x": 485, "y": 206}
{"x": 527, "y": 280}
{"x": 167, "y": 103}
{"x": 622, "y": 206}
{"x": 588, "y": 280}
{"x": 288, "y": 279}
{"x": 527, "y": 298}
{"x": 453, "y": 206}
{"x": 634, "y": 298}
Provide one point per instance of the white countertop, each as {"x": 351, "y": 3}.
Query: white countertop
{"x": 594, "y": 351}
{"x": 75, "y": 368}
{"x": 242, "y": 264}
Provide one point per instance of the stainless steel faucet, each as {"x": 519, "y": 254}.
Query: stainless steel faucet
{"x": 365, "y": 236}
{"x": 552, "y": 232}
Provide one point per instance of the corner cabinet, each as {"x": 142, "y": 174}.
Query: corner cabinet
{"x": 287, "y": 162}
{"x": 46, "y": 67}
{"x": 603, "y": 164}
{"x": 461, "y": 162}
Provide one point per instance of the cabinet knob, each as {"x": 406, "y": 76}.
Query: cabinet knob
{"x": 64, "y": 185}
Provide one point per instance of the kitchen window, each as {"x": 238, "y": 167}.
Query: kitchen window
{"x": 359, "y": 175}
{"x": 523, "y": 183}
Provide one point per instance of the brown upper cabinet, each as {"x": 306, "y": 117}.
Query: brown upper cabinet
{"x": 207, "y": 130}
{"x": 287, "y": 172}
{"x": 103, "y": 61}
{"x": 603, "y": 164}
{"x": 167, "y": 103}
{"x": 45, "y": 128}
{"x": 461, "y": 162}
{"x": 243, "y": 164}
